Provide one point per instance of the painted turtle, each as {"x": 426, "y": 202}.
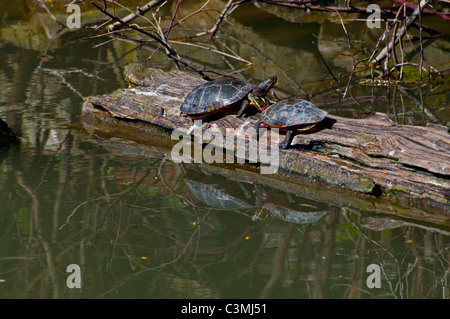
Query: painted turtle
{"x": 219, "y": 95}
{"x": 137, "y": 75}
{"x": 291, "y": 116}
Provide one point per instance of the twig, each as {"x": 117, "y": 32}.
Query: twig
{"x": 351, "y": 75}
{"x": 355, "y": 64}
{"x": 133, "y": 26}
{"x": 164, "y": 40}
{"x": 192, "y": 14}
{"x": 421, "y": 43}
{"x": 401, "y": 47}
{"x": 173, "y": 18}
{"x": 160, "y": 39}
{"x": 139, "y": 12}
{"x": 385, "y": 33}
{"x": 386, "y": 61}
{"x": 352, "y": 9}
{"x": 225, "y": 12}
{"x": 326, "y": 65}
{"x": 345, "y": 30}
{"x": 44, "y": 5}
{"x": 442, "y": 15}
{"x": 214, "y": 29}
{"x": 213, "y": 50}
{"x": 394, "y": 54}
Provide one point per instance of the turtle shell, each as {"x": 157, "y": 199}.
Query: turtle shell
{"x": 213, "y": 96}
{"x": 292, "y": 113}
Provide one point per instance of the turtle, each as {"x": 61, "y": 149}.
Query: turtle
{"x": 289, "y": 115}
{"x": 138, "y": 75}
{"x": 220, "y": 95}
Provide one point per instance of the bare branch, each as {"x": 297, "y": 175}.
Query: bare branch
{"x": 326, "y": 65}
{"x": 133, "y": 26}
{"x": 396, "y": 38}
{"x": 229, "y": 8}
{"x": 140, "y": 11}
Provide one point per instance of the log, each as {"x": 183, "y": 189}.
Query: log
{"x": 373, "y": 156}
{"x": 143, "y": 140}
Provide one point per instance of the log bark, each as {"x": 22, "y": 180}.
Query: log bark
{"x": 372, "y": 156}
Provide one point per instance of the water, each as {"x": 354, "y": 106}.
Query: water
{"x": 140, "y": 226}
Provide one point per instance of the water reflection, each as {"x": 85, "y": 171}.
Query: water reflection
{"x": 139, "y": 226}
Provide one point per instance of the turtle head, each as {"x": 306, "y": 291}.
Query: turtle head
{"x": 262, "y": 88}
{"x": 258, "y": 101}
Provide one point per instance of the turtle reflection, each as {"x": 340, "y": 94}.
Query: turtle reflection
{"x": 213, "y": 196}
{"x": 216, "y": 196}
{"x": 287, "y": 214}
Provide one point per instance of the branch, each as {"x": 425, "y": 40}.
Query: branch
{"x": 161, "y": 37}
{"x": 401, "y": 32}
{"x": 134, "y": 27}
{"x": 326, "y": 65}
{"x": 442, "y": 15}
{"x": 139, "y": 12}
{"x": 229, "y": 8}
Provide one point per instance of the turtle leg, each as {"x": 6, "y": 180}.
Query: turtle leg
{"x": 244, "y": 106}
{"x": 287, "y": 140}
{"x": 256, "y": 130}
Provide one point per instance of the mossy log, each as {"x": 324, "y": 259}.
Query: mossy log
{"x": 373, "y": 156}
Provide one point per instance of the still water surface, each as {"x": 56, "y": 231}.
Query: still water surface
{"x": 140, "y": 226}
